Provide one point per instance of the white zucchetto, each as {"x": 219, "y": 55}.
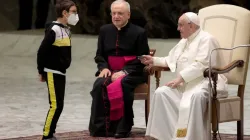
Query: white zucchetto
{"x": 193, "y": 17}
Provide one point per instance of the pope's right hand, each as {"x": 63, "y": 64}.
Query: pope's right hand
{"x": 105, "y": 73}
{"x": 146, "y": 59}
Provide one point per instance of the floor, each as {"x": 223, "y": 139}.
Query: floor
{"x": 24, "y": 100}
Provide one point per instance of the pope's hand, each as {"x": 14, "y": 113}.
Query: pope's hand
{"x": 176, "y": 82}
{"x": 146, "y": 59}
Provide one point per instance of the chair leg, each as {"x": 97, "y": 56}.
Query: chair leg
{"x": 147, "y": 107}
{"x": 214, "y": 121}
{"x": 240, "y": 133}
{"x": 214, "y": 135}
{"x": 215, "y": 129}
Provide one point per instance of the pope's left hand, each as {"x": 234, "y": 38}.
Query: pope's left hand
{"x": 117, "y": 75}
{"x": 176, "y": 82}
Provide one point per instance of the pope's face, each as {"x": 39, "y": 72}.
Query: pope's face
{"x": 184, "y": 27}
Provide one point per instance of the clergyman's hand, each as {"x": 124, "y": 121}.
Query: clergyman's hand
{"x": 146, "y": 59}
{"x": 105, "y": 73}
{"x": 176, "y": 82}
{"x": 117, "y": 75}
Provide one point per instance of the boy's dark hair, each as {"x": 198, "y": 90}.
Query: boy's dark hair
{"x": 62, "y": 5}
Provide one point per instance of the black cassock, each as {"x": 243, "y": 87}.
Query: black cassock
{"x": 131, "y": 40}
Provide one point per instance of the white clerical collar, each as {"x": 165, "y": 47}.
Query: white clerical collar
{"x": 192, "y": 36}
{"x": 123, "y": 26}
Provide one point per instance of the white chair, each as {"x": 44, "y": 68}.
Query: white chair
{"x": 230, "y": 25}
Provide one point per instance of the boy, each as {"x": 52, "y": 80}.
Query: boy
{"x": 53, "y": 58}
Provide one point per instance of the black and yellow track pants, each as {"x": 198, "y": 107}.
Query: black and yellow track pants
{"x": 56, "y": 89}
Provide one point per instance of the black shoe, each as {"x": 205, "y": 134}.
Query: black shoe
{"x": 53, "y": 138}
{"x": 110, "y": 134}
{"x": 122, "y": 135}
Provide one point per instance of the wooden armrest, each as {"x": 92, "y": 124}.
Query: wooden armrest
{"x": 229, "y": 67}
{"x": 152, "y": 69}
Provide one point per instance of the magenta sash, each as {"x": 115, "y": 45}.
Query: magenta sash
{"x": 114, "y": 90}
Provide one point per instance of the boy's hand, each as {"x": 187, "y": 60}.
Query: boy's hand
{"x": 41, "y": 79}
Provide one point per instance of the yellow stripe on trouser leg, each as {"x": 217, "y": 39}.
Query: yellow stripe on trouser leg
{"x": 53, "y": 106}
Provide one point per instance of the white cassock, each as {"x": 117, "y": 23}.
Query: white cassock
{"x": 181, "y": 113}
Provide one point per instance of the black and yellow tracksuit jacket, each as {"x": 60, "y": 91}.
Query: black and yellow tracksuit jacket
{"x": 54, "y": 53}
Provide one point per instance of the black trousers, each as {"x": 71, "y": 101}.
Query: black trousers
{"x": 42, "y": 10}
{"x": 56, "y": 90}
{"x": 100, "y": 124}
{"x": 26, "y": 12}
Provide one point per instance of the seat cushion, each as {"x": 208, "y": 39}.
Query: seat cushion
{"x": 141, "y": 92}
{"x": 229, "y": 109}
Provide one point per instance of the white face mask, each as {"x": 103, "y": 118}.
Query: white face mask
{"x": 73, "y": 19}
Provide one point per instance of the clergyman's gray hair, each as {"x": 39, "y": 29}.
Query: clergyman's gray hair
{"x": 119, "y": 2}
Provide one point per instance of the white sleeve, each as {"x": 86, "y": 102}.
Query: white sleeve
{"x": 160, "y": 61}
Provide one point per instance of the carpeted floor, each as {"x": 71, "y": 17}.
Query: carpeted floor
{"x": 137, "y": 134}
